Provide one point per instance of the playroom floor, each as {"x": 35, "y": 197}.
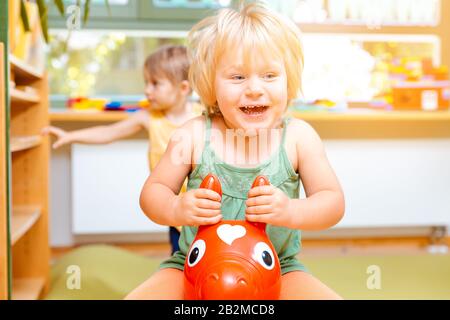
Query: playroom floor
{"x": 310, "y": 248}
{"x": 407, "y": 268}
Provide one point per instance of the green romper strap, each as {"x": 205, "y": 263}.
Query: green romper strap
{"x": 286, "y": 120}
{"x": 208, "y": 131}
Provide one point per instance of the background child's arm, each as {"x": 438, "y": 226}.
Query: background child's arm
{"x": 159, "y": 197}
{"x": 324, "y": 206}
{"x": 101, "y": 134}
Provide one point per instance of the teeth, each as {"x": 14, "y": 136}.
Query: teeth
{"x": 251, "y": 107}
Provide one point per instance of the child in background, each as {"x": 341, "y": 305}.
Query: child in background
{"x": 246, "y": 67}
{"x": 167, "y": 89}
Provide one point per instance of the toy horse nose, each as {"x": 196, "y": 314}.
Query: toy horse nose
{"x": 230, "y": 282}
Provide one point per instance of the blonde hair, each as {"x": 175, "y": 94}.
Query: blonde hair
{"x": 169, "y": 61}
{"x": 254, "y": 27}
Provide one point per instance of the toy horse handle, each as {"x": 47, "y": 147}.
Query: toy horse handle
{"x": 212, "y": 182}
{"x": 258, "y": 182}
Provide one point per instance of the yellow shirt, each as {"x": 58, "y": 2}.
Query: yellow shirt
{"x": 160, "y": 131}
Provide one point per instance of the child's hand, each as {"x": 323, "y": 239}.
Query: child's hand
{"x": 268, "y": 204}
{"x": 61, "y": 136}
{"x": 198, "y": 207}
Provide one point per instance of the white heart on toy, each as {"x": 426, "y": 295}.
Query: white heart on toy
{"x": 228, "y": 233}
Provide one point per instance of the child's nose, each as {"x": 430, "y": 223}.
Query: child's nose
{"x": 254, "y": 88}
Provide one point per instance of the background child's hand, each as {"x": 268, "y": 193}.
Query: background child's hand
{"x": 198, "y": 207}
{"x": 62, "y": 137}
{"x": 268, "y": 204}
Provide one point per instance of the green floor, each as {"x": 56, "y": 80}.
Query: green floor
{"x": 107, "y": 272}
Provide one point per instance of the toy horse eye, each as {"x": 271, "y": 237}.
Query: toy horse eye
{"x": 196, "y": 253}
{"x": 264, "y": 255}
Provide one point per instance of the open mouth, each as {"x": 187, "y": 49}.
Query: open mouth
{"x": 254, "y": 110}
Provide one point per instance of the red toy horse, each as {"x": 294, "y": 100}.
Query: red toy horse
{"x": 232, "y": 259}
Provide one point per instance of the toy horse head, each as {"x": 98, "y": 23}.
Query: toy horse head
{"x": 232, "y": 259}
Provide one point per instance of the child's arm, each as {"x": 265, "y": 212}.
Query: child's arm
{"x": 324, "y": 204}
{"x": 101, "y": 134}
{"x": 159, "y": 197}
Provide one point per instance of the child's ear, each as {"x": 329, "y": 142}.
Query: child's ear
{"x": 185, "y": 87}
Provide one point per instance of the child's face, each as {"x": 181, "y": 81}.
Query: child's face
{"x": 254, "y": 95}
{"x": 161, "y": 92}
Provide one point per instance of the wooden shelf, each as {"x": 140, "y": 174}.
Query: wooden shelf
{"x": 88, "y": 116}
{"x": 27, "y": 288}
{"x": 19, "y": 97}
{"x": 379, "y": 125}
{"x": 23, "y": 72}
{"x": 373, "y": 115}
{"x": 24, "y": 143}
{"x": 3, "y": 186}
{"x": 356, "y": 115}
{"x": 23, "y": 219}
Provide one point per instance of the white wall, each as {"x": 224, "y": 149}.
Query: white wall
{"x": 60, "y": 198}
{"x": 393, "y": 182}
{"x": 106, "y": 184}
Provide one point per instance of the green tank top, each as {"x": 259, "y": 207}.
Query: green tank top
{"x": 236, "y": 182}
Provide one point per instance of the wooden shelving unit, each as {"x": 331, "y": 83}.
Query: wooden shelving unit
{"x": 19, "y": 97}
{"x": 27, "y": 288}
{"x": 24, "y": 143}
{"x": 22, "y": 71}
{"x": 24, "y": 246}
{"x": 4, "y": 247}
{"x": 23, "y": 219}
{"x": 30, "y": 252}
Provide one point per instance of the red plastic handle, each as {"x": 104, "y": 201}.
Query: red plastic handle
{"x": 258, "y": 182}
{"x": 261, "y": 181}
{"x": 211, "y": 182}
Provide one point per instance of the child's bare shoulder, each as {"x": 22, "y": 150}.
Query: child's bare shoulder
{"x": 192, "y": 125}
{"x": 305, "y": 135}
{"x": 191, "y": 134}
{"x": 301, "y": 126}
{"x": 190, "y": 131}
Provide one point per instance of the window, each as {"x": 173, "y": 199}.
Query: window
{"x": 96, "y": 63}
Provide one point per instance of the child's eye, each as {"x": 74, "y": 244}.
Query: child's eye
{"x": 237, "y": 77}
{"x": 270, "y": 76}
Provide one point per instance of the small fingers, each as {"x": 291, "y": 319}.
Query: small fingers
{"x": 259, "y": 209}
{"x": 261, "y": 190}
{"x": 207, "y": 204}
{"x": 265, "y": 218}
{"x": 45, "y": 130}
{"x": 53, "y": 130}
{"x": 207, "y": 194}
{"x": 59, "y": 143}
{"x": 207, "y": 213}
{"x": 259, "y": 200}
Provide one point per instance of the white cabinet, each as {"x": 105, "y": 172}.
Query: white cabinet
{"x": 106, "y": 184}
{"x": 393, "y": 183}
{"x": 387, "y": 183}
